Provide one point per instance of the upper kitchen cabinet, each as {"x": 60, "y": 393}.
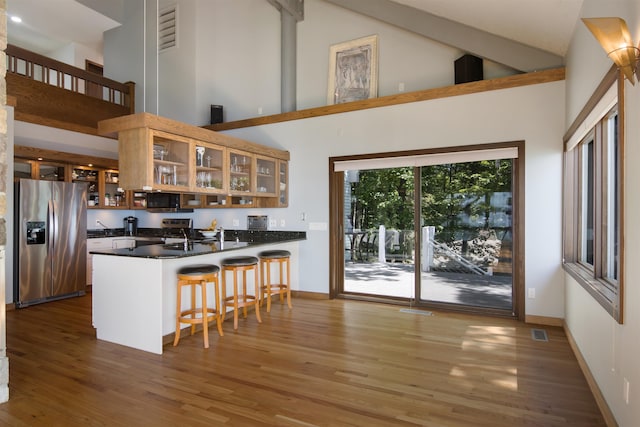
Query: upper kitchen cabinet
{"x": 172, "y": 158}
{"x": 157, "y": 153}
{"x": 89, "y": 176}
{"x": 266, "y": 173}
{"x": 210, "y": 167}
{"x": 280, "y": 179}
{"x": 283, "y": 184}
{"x": 241, "y": 173}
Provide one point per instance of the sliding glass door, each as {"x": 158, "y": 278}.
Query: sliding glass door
{"x": 466, "y": 234}
{"x": 425, "y": 232}
{"x": 380, "y": 232}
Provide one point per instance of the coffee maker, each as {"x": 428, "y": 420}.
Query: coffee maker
{"x": 130, "y": 226}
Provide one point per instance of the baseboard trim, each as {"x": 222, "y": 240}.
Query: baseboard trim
{"x": 544, "y": 320}
{"x": 309, "y": 295}
{"x": 593, "y": 385}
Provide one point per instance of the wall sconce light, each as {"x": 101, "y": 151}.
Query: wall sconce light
{"x": 613, "y": 35}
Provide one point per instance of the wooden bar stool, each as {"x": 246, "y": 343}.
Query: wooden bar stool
{"x": 243, "y": 299}
{"x": 194, "y": 275}
{"x": 281, "y": 257}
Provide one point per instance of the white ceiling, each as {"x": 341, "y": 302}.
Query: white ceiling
{"x": 543, "y": 24}
{"x": 49, "y": 25}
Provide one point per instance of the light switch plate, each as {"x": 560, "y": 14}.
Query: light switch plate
{"x": 236, "y": 222}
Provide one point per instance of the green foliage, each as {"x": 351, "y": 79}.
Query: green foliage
{"x": 385, "y": 196}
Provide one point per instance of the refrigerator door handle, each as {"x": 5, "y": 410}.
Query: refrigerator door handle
{"x": 52, "y": 227}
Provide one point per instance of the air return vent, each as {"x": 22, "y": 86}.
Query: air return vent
{"x": 167, "y": 28}
{"x": 539, "y": 335}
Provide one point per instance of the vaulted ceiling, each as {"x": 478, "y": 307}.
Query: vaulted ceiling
{"x": 523, "y": 34}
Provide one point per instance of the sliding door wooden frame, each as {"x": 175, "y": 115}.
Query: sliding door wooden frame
{"x": 337, "y": 226}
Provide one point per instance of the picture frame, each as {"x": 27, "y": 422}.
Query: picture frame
{"x": 353, "y": 70}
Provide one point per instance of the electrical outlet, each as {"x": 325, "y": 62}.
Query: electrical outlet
{"x": 401, "y": 87}
{"x": 531, "y": 293}
{"x": 272, "y": 223}
{"x": 282, "y": 223}
{"x": 236, "y": 222}
{"x": 625, "y": 390}
{"x": 97, "y": 222}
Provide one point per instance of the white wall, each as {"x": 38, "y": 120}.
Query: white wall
{"x": 533, "y": 114}
{"x": 238, "y": 65}
{"x": 611, "y": 350}
{"x": 238, "y": 59}
{"x": 229, "y": 54}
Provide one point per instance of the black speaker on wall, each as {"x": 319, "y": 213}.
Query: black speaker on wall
{"x": 468, "y": 68}
{"x": 216, "y": 114}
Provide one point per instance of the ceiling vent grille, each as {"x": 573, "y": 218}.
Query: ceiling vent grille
{"x": 167, "y": 28}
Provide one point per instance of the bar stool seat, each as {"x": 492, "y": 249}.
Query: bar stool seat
{"x": 243, "y": 298}
{"x": 192, "y": 276}
{"x": 280, "y": 257}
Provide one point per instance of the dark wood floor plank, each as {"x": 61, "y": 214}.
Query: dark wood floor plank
{"x": 324, "y": 363}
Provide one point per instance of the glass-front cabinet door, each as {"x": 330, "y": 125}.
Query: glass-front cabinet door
{"x": 171, "y": 160}
{"x": 23, "y": 168}
{"x": 115, "y": 195}
{"x": 241, "y": 167}
{"x": 50, "y": 172}
{"x": 89, "y": 176}
{"x": 283, "y": 180}
{"x": 266, "y": 173}
{"x": 209, "y": 168}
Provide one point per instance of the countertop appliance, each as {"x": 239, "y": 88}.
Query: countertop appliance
{"x": 50, "y": 244}
{"x": 130, "y": 225}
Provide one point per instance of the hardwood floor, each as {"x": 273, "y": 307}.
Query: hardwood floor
{"x": 325, "y": 363}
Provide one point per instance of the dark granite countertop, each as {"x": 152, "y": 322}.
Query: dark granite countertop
{"x": 250, "y": 236}
{"x": 202, "y": 247}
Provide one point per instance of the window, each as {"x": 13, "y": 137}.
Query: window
{"x": 593, "y": 200}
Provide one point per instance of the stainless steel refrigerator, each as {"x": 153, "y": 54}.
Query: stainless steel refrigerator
{"x": 50, "y": 241}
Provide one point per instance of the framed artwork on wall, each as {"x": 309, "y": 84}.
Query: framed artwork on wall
{"x": 353, "y": 70}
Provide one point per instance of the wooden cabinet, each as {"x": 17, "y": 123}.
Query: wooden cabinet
{"x": 283, "y": 184}
{"x": 266, "y": 174}
{"x": 172, "y": 162}
{"x": 210, "y": 166}
{"x": 209, "y": 169}
{"x": 103, "y": 189}
{"x": 89, "y": 176}
{"x": 241, "y": 173}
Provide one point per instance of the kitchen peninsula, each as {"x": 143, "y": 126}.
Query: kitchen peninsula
{"x": 134, "y": 290}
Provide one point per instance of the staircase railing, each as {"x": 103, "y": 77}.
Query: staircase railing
{"x": 443, "y": 248}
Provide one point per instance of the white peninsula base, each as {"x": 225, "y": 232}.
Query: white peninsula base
{"x": 134, "y": 298}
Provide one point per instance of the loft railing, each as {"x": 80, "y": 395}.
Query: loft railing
{"x": 56, "y": 94}
{"x": 46, "y": 70}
